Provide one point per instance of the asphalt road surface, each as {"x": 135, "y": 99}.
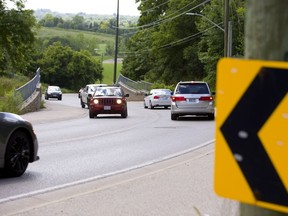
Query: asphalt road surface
{"x": 74, "y": 149}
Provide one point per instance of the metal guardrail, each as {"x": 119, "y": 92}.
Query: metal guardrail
{"x": 137, "y": 85}
{"x": 30, "y": 87}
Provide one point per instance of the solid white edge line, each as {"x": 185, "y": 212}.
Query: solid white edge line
{"x": 83, "y": 181}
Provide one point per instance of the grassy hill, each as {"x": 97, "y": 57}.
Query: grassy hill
{"x": 45, "y": 32}
{"x": 99, "y": 40}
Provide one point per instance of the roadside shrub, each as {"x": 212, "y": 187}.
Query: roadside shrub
{"x": 6, "y": 86}
{"x": 163, "y": 86}
{"x": 11, "y": 103}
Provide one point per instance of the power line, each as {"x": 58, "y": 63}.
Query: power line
{"x": 174, "y": 43}
{"x": 158, "y": 22}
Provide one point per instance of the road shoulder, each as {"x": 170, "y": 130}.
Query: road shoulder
{"x": 182, "y": 185}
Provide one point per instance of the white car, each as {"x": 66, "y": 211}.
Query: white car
{"x": 158, "y": 98}
{"x": 87, "y": 92}
{"x": 192, "y": 98}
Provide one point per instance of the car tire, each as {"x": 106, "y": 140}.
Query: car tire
{"x": 211, "y": 116}
{"x": 124, "y": 114}
{"x": 174, "y": 117}
{"x": 17, "y": 154}
{"x": 151, "y": 106}
{"x": 46, "y": 98}
{"x": 82, "y": 104}
{"x": 91, "y": 115}
{"x": 145, "y": 107}
{"x": 60, "y": 98}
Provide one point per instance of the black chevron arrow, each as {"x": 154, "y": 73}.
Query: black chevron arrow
{"x": 240, "y": 131}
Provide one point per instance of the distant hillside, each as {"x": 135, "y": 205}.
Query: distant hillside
{"x": 40, "y": 13}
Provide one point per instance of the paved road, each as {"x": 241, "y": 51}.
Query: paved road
{"x": 182, "y": 185}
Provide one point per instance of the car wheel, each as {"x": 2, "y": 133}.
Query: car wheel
{"x": 145, "y": 107}
{"x": 17, "y": 154}
{"x": 59, "y": 98}
{"x": 91, "y": 115}
{"x": 174, "y": 117}
{"x": 211, "y": 116}
{"x": 46, "y": 98}
{"x": 124, "y": 114}
{"x": 82, "y": 104}
{"x": 151, "y": 106}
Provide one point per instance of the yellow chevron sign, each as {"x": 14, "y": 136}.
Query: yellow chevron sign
{"x": 251, "y": 159}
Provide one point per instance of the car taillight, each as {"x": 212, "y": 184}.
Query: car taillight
{"x": 178, "y": 98}
{"x": 156, "y": 97}
{"x": 206, "y": 98}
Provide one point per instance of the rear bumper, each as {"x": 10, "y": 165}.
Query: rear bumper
{"x": 192, "y": 111}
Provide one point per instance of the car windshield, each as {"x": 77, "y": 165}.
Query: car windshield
{"x": 192, "y": 88}
{"x": 53, "y": 88}
{"x": 100, "y": 91}
{"x": 161, "y": 92}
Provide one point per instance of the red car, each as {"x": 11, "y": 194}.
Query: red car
{"x": 108, "y": 100}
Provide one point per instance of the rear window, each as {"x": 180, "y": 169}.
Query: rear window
{"x": 192, "y": 88}
{"x": 161, "y": 92}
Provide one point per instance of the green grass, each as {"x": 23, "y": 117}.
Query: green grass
{"x": 45, "y": 32}
{"x": 108, "y": 73}
{"x": 9, "y": 102}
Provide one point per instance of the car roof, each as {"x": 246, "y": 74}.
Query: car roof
{"x": 160, "y": 89}
{"x": 97, "y": 85}
{"x": 191, "y": 82}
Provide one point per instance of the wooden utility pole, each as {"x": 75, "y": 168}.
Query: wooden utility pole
{"x": 226, "y": 27}
{"x": 116, "y": 44}
{"x": 266, "y": 38}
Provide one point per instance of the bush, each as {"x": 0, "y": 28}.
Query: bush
{"x": 163, "y": 86}
{"x": 11, "y": 103}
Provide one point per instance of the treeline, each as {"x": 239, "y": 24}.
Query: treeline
{"x": 89, "y": 23}
{"x": 171, "y": 45}
{"x": 66, "y": 60}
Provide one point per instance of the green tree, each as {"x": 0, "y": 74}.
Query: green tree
{"x": 17, "y": 37}
{"x": 211, "y": 46}
{"x": 171, "y": 44}
{"x": 83, "y": 68}
{"x": 60, "y": 65}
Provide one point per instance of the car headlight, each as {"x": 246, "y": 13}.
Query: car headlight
{"x": 96, "y": 101}
{"x": 119, "y": 101}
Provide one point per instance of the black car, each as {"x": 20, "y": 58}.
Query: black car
{"x": 53, "y": 92}
{"x": 18, "y": 144}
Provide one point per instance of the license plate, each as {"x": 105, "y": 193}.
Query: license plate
{"x": 192, "y": 100}
{"x": 107, "y": 107}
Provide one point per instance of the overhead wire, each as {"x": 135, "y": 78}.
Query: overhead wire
{"x": 174, "y": 43}
{"x": 165, "y": 19}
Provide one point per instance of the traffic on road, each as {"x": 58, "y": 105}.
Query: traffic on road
{"x": 74, "y": 148}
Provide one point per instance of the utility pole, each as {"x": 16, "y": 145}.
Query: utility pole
{"x": 266, "y": 33}
{"x": 116, "y": 44}
{"x": 226, "y": 27}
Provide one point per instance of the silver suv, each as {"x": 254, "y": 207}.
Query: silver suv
{"x": 192, "y": 98}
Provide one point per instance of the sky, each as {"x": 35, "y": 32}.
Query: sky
{"x": 109, "y": 7}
